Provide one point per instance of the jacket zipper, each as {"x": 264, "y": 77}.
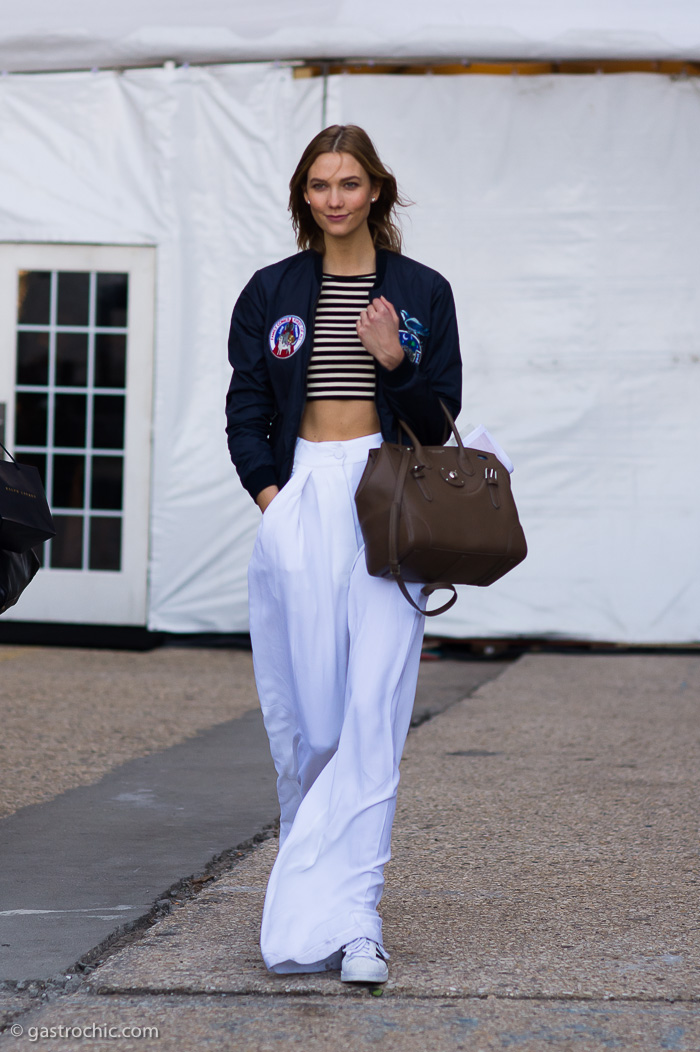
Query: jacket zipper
{"x": 310, "y": 337}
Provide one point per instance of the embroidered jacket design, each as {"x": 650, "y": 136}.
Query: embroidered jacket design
{"x": 411, "y": 336}
{"x": 287, "y": 335}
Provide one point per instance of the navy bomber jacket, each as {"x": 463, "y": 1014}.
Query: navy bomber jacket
{"x": 270, "y": 344}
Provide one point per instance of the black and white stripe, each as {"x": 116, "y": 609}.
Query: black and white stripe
{"x": 340, "y": 367}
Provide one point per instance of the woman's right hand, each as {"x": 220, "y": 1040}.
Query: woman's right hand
{"x": 266, "y": 496}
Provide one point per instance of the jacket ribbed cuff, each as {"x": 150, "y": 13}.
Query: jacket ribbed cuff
{"x": 400, "y": 376}
{"x": 260, "y": 479}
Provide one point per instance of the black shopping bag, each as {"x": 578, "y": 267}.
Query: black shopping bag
{"x": 16, "y": 571}
{"x": 25, "y": 519}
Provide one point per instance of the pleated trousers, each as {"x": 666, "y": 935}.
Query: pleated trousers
{"x": 336, "y": 655}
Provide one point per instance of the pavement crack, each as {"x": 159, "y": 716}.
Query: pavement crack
{"x": 75, "y": 978}
{"x": 179, "y": 893}
{"x": 404, "y": 995}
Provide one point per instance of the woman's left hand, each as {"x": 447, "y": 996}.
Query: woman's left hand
{"x": 378, "y": 329}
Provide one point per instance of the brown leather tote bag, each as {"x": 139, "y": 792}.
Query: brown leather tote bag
{"x": 440, "y": 515}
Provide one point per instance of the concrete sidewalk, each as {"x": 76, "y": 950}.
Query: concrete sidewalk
{"x": 128, "y": 779}
{"x": 543, "y": 892}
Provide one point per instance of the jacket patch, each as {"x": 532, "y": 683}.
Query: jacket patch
{"x": 287, "y": 335}
{"x": 411, "y": 337}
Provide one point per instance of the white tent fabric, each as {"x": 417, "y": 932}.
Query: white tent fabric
{"x": 563, "y": 209}
{"x": 41, "y": 35}
{"x": 195, "y": 162}
{"x": 565, "y": 212}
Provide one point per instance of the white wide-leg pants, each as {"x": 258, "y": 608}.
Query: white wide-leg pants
{"x": 336, "y": 656}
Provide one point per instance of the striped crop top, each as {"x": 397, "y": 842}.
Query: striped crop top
{"x": 339, "y": 366}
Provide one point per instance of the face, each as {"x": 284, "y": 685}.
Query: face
{"x": 339, "y": 192}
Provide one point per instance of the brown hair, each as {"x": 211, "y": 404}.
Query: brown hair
{"x": 382, "y": 221}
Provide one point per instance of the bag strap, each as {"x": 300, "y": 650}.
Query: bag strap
{"x": 428, "y": 590}
{"x": 394, "y": 564}
{"x": 395, "y": 515}
{"x": 6, "y": 450}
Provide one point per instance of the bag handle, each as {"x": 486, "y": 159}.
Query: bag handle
{"x": 6, "y": 450}
{"x": 463, "y": 458}
{"x": 394, "y": 517}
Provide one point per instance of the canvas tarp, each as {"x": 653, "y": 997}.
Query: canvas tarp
{"x": 563, "y": 210}
{"x": 40, "y": 35}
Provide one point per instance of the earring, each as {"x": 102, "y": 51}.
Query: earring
{"x": 374, "y": 199}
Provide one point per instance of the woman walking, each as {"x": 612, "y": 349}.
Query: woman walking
{"x": 330, "y": 348}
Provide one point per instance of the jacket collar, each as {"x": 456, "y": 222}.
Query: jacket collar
{"x": 382, "y": 257}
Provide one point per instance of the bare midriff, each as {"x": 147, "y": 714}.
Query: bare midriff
{"x": 338, "y": 420}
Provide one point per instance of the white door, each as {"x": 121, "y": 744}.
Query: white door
{"x": 76, "y": 365}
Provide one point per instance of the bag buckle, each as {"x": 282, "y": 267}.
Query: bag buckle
{"x": 491, "y": 476}
{"x": 418, "y": 473}
{"x": 452, "y": 477}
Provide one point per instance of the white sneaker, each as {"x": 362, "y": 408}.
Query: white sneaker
{"x": 364, "y": 961}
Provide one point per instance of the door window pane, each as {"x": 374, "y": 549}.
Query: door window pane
{"x": 67, "y": 545}
{"x": 108, "y": 424}
{"x": 62, "y": 343}
{"x": 107, "y": 483}
{"x": 71, "y": 359}
{"x": 112, "y": 300}
{"x": 68, "y": 481}
{"x": 31, "y": 416}
{"x": 33, "y": 358}
{"x": 73, "y": 298}
{"x": 35, "y": 460}
{"x": 34, "y": 306}
{"x": 69, "y": 420}
{"x": 110, "y": 360}
{"x": 105, "y": 543}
